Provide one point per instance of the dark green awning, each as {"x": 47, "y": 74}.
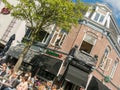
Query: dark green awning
{"x": 52, "y": 64}
{"x": 76, "y": 76}
{"x": 15, "y": 52}
{"x": 96, "y": 84}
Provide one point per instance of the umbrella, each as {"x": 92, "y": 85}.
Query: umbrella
{"x": 8, "y": 44}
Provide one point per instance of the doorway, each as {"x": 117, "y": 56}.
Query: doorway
{"x": 70, "y": 86}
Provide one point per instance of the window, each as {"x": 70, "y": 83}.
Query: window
{"x": 42, "y": 36}
{"x": 62, "y": 36}
{"x": 105, "y": 62}
{"x": 108, "y": 63}
{"x": 118, "y": 39}
{"x": 114, "y": 67}
{"x": 58, "y": 38}
{"x": 27, "y": 33}
{"x": 97, "y": 16}
{"x": 88, "y": 43}
{"x": 101, "y": 19}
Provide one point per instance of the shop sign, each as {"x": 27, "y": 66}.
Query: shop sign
{"x": 52, "y": 53}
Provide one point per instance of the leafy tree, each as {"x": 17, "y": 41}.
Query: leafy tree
{"x": 42, "y": 13}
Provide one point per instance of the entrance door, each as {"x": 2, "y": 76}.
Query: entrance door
{"x": 69, "y": 86}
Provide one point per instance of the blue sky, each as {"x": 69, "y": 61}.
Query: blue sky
{"x": 114, "y": 5}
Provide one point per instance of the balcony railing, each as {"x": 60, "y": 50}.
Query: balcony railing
{"x": 85, "y": 57}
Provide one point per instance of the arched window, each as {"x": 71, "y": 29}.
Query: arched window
{"x": 105, "y": 62}
{"x": 114, "y": 67}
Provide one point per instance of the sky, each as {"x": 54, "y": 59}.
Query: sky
{"x": 113, "y": 4}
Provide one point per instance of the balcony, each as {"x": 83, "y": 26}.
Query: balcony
{"x": 85, "y": 58}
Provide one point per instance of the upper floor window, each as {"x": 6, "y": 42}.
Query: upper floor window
{"x": 28, "y": 33}
{"x": 105, "y": 62}
{"x": 101, "y": 18}
{"x": 98, "y": 17}
{"x": 58, "y": 38}
{"x": 88, "y": 43}
{"x": 114, "y": 67}
{"x": 42, "y": 36}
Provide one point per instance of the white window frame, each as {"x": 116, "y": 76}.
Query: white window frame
{"x": 104, "y": 59}
{"x": 118, "y": 39}
{"x": 114, "y": 67}
{"x": 62, "y": 39}
{"x": 57, "y": 34}
{"x": 84, "y": 40}
{"x": 90, "y": 35}
{"x": 45, "y": 39}
{"x": 98, "y": 21}
{"x": 108, "y": 64}
{"x": 58, "y": 37}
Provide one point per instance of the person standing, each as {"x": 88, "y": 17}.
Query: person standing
{"x": 23, "y": 84}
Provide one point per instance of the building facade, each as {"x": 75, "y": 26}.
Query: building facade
{"x": 97, "y": 35}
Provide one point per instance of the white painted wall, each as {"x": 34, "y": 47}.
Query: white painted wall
{"x": 18, "y": 28}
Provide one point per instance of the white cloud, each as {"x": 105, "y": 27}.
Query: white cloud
{"x": 115, "y": 6}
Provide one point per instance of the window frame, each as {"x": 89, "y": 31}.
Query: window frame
{"x": 114, "y": 68}
{"x": 99, "y": 18}
{"x": 58, "y": 36}
{"x": 103, "y": 62}
{"x": 88, "y": 42}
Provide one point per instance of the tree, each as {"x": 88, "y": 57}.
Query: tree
{"x": 42, "y": 13}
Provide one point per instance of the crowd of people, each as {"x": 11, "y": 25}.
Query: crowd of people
{"x": 10, "y": 80}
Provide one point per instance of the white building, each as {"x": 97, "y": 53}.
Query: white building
{"x": 9, "y": 26}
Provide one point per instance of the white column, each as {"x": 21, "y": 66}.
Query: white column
{"x": 89, "y": 79}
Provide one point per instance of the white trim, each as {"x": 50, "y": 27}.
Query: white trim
{"x": 108, "y": 63}
{"x": 114, "y": 67}
{"x": 88, "y": 82}
{"x": 60, "y": 68}
{"x": 55, "y": 33}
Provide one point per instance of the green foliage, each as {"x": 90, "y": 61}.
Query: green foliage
{"x": 107, "y": 79}
{"x": 42, "y": 13}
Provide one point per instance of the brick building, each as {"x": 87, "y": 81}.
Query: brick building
{"x": 97, "y": 35}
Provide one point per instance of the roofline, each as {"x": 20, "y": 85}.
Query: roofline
{"x": 104, "y": 5}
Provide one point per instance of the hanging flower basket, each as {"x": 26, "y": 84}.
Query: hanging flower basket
{"x": 5, "y": 11}
{"x": 107, "y": 79}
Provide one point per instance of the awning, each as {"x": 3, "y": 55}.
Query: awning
{"x": 51, "y": 64}
{"x": 76, "y": 76}
{"x": 96, "y": 84}
{"x": 15, "y": 51}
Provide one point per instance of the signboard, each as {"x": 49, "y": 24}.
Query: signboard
{"x": 52, "y": 53}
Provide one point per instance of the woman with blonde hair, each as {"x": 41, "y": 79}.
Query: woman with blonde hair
{"x": 42, "y": 86}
